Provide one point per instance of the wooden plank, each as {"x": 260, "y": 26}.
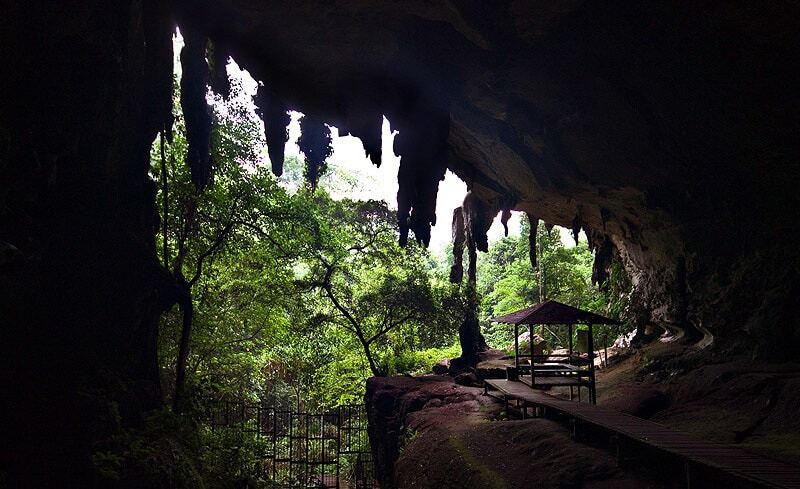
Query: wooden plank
{"x": 555, "y": 381}
{"x": 765, "y": 471}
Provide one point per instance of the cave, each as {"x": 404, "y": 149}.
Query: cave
{"x": 667, "y": 132}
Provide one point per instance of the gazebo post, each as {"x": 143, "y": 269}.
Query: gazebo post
{"x": 530, "y": 336}
{"x": 569, "y": 361}
{"x": 516, "y": 347}
{"x": 569, "y": 333}
{"x": 541, "y": 331}
{"x": 590, "y": 341}
{"x": 530, "y": 342}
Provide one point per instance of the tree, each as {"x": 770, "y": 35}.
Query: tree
{"x": 239, "y": 205}
{"x": 373, "y": 286}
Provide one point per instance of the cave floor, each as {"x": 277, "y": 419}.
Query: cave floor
{"x": 712, "y": 396}
{"x": 715, "y": 397}
{"x": 457, "y": 437}
{"x": 510, "y": 454}
{"x": 467, "y": 441}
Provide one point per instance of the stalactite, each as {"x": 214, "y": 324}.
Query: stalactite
{"x": 576, "y": 227}
{"x": 504, "y": 217}
{"x": 219, "y": 73}
{"x": 275, "y": 115}
{"x": 370, "y": 136}
{"x": 315, "y": 143}
{"x": 194, "y": 80}
{"x": 466, "y": 220}
{"x": 478, "y": 217}
{"x": 459, "y": 238}
{"x": 603, "y": 255}
{"x": 471, "y": 222}
{"x": 532, "y": 230}
{"x": 421, "y": 142}
{"x": 363, "y": 121}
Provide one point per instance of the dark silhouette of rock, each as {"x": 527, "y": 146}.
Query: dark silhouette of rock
{"x": 441, "y": 367}
{"x": 468, "y": 378}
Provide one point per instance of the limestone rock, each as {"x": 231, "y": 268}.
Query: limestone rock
{"x": 441, "y": 367}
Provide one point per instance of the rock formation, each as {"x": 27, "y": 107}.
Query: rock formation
{"x": 666, "y": 131}
{"x": 471, "y": 221}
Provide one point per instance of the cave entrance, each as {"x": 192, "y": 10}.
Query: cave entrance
{"x": 292, "y": 287}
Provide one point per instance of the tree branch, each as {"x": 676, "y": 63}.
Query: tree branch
{"x": 390, "y": 326}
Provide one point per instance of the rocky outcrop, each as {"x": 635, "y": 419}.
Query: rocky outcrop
{"x": 393, "y": 404}
{"x": 714, "y": 397}
{"x": 85, "y": 89}
{"x": 429, "y": 432}
{"x": 662, "y": 131}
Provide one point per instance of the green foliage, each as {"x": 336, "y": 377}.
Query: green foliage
{"x": 257, "y": 250}
{"x": 507, "y": 282}
{"x": 163, "y": 453}
{"x": 418, "y": 362}
{"x": 299, "y": 297}
{"x": 385, "y": 299}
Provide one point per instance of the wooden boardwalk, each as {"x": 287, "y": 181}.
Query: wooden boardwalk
{"x": 733, "y": 461}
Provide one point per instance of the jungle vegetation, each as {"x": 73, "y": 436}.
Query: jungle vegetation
{"x": 294, "y": 298}
{"x": 291, "y": 296}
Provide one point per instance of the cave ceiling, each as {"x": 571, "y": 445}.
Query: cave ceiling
{"x": 653, "y": 127}
{"x": 668, "y": 132}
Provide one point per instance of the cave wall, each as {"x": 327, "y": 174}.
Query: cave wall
{"x": 668, "y": 129}
{"x": 85, "y": 86}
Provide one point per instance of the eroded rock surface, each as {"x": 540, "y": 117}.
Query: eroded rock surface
{"x": 721, "y": 398}
{"x": 392, "y": 403}
{"x": 430, "y": 432}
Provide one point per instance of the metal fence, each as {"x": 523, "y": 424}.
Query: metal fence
{"x": 298, "y": 450}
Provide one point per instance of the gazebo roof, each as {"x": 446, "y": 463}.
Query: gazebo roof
{"x": 553, "y": 312}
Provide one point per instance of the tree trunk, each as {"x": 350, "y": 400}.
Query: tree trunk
{"x": 357, "y": 330}
{"x": 376, "y": 372}
{"x": 164, "y": 203}
{"x": 187, "y": 307}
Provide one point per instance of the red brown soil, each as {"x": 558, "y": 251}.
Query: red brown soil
{"x": 453, "y": 436}
{"x": 450, "y": 452}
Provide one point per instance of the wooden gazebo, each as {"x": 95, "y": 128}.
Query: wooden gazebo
{"x": 551, "y": 370}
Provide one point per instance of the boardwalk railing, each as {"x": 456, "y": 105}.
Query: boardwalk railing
{"x": 297, "y": 449}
